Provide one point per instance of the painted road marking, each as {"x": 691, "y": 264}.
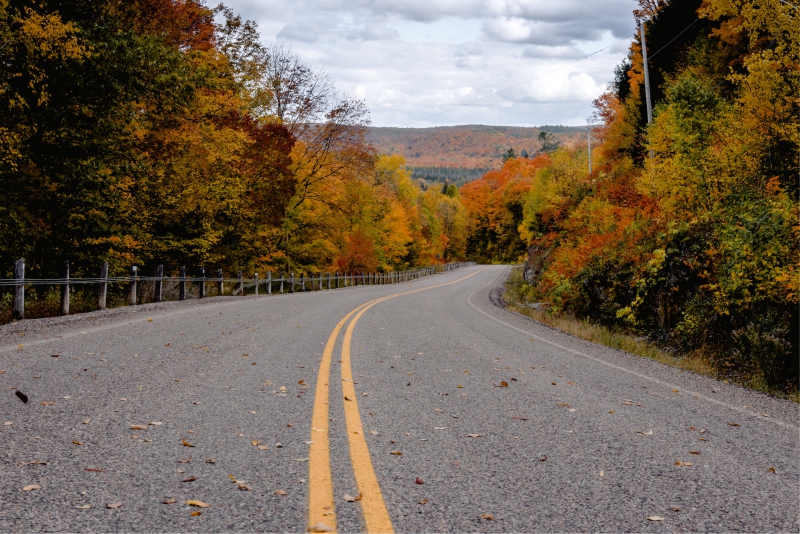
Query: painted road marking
{"x": 376, "y": 516}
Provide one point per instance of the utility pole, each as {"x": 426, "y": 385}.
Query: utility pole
{"x": 646, "y": 73}
{"x": 589, "y": 144}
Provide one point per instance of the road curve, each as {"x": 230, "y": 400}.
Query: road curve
{"x": 436, "y": 411}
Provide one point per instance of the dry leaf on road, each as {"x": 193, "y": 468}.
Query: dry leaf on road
{"x": 423, "y": 501}
{"x": 280, "y": 492}
{"x": 186, "y": 443}
{"x": 195, "y": 513}
{"x": 473, "y": 435}
{"x": 189, "y": 479}
{"x": 655, "y": 518}
{"x": 487, "y": 516}
{"x": 349, "y": 498}
{"x": 682, "y": 464}
{"x": 419, "y": 481}
{"x": 320, "y": 527}
{"x": 169, "y": 501}
{"x": 138, "y": 427}
{"x": 396, "y": 453}
{"x": 32, "y": 487}
{"x": 77, "y": 442}
{"x": 772, "y": 470}
{"x": 645, "y": 433}
{"x": 734, "y": 424}
{"x": 200, "y": 504}
{"x": 186, "y": 461}
{"x": 114, "y": 505}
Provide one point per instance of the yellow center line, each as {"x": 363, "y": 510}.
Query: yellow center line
{"x": 376, "y": 516}
{"x": 321, "y": 506}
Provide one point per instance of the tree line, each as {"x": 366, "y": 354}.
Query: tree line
{"x": 164, "y": 132}
{"x": 686, "y": 230}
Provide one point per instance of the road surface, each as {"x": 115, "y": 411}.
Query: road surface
{"x": 425, "y": 409}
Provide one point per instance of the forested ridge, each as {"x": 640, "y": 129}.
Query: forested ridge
{"x": 164, "y": 132}
{"x": 687, "y": 229}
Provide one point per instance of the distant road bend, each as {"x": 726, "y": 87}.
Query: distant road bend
{"x": 418, "y": 407}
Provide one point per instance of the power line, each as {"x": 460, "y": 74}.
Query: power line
{"x": 517, "y": 85}
{"x": 669, "y": 43}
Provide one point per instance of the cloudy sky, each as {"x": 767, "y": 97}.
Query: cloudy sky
{"x": 410, "y": 59}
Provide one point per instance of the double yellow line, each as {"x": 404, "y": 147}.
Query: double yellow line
{"x": 321, "y": 505}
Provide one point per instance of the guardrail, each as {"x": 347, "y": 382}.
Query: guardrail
{"x": 286, "y": 282}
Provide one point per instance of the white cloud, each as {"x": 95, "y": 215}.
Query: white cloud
{"x": 409, "y": 59}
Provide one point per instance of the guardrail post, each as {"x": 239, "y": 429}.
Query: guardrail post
{"x": 240, "y": 289}
{"x": 291, "y": 277}
{"x": 158, "y": 283}
{"x": 282, "y": 276}
{"x": 269, "y": 282}
{"x": 101, "y": 297}
{"x": 220, "y": 283}
{"x": 182, "y": 283}
{"x": 134, "y": 274}
{"x": 65, "y": 288}
{"x": 302, "y": 282}
{"x": 18, "y": 297}
{"x": 201, "y": 285}
{"x": 255, "y": 279}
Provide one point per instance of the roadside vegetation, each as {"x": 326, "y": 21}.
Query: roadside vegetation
{"x": 685, "y": 236}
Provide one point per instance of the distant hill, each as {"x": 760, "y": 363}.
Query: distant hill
{"x": 469, "y": 146}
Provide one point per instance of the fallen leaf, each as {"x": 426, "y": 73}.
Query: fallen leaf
{"x": 211, "y": 461}
{"x": 423, "y": 501}
{"x": 199, "y": 504}
{"x": 694, "y": 452}
{"x": 602, "y": 473}
{"x": 682, "y": 464}
{"x": 138, "y": 427}
{"x": 189, "y": 479}
{"x": 195, "y": 513}
{"x": 611, "y": 412}
{"x": 396, "y": 453}
{"x": 262, "y": 448}
{"x": 114, "y": 505}
{"x": 84, "y": 507}
{"x": 563, "y": 404}
{"x": 772, "y": 470}
{"x": 373, "y": 432}
{"x": 299, "y": 459}
{"x": 655, "y": 518}
{"x": 320, "y": 527}
{"x": 543, "y": 458}
{"x": 487, "y": 516}
{"x": 349, "y": 498}
{"x": 734, "y": 424}
{"x": 419, "y": 481}
{"x": 255, "y": 443}
{"x": 94, "y": 469}
{"x": 77, "y": 442}
{"x": 280, "y": 492}
{"x": 169, "y": 501}
{"x": 552, "y": 383}
{"x": 676, "y": 508}
{"x": 8, "y": 423}
{"x": 87, "y": 421}
{"x": 647, "y": 433}
{"x": 473, "y": 435}
{"x": 32, "y": 487}
{"x": 186, "y": 443}
{"x": 186, "y": 461}
{"x": 155, "y": 423}
{"x": 503, "y": 384}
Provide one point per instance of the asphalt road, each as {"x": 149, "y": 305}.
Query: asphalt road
{"x": 502, "y": 424}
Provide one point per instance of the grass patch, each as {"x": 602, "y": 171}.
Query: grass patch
{"x": 519, "y": 296}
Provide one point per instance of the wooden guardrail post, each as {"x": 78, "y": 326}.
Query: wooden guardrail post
{"x": 269, "y": 282}
{"x": 255, "y": 279}
{"x": 18, "y": 297}
{"x": 282, "y": 277}
{"x": 220, "y": 283}
{"x": 240, "y": 289}
{"x": 182, "y": 283}
{"x": 291, "y": 285}
{"x": 101, "y": 296}
{"x": 134, "y": 274}
{"x": 201, "y": 285}
{"x": 159, "y": 283}
{"x": 65, "y": 288}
